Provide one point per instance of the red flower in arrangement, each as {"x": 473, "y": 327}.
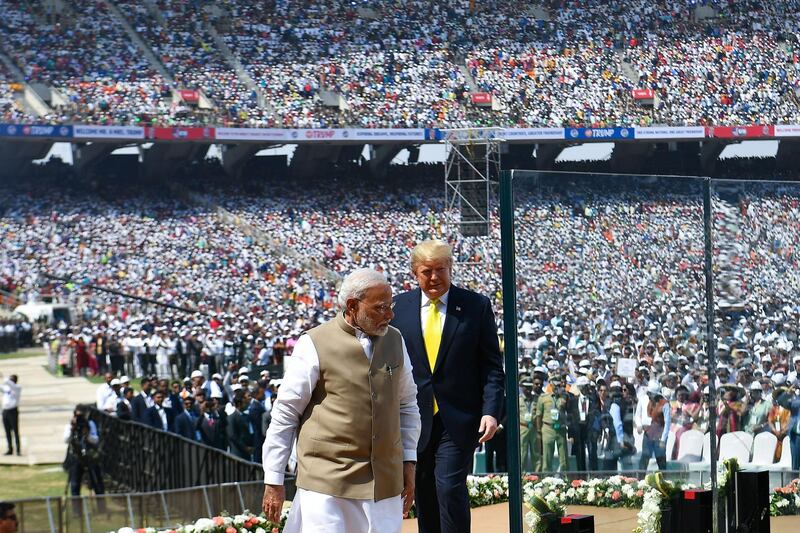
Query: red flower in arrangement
{"x": 230, "y": 529}
{"x": 639, "y": 493}
{"x": 218, "y": 520}
{"x": 140, "y": 530}
{"x": 616, "y": 495}
{"x": 531, "y": 477}
{"x": 577, "y": 483}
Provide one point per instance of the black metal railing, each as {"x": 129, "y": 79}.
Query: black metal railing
{"x": 160, "y": 509}
{"x": 135, "y": 457}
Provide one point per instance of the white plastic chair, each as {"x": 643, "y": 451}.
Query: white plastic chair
{"x": 704, "y": 464}
{"x": 764, "y": 449}
{"x": 691, "y": 446}
{"x": 670, "y": 444}
{"x": 785, "y": 462}
{"x": 736, "y": 444}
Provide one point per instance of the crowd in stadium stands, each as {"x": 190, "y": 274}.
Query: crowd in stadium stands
{"x": 10, "y": 107}
{"x": 333, "y": 64}
{"x": 604, "y": 273}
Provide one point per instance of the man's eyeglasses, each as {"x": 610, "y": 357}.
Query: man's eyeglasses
{"x": 382, "y": 308}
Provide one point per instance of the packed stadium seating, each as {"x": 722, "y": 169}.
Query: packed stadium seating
{"x": 332, "y": 63}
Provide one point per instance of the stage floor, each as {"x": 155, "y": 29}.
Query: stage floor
{"x": 494, "y": 519}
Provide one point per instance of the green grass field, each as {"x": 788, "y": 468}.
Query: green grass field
{"x": 20, "y": 482}
{"x": 23, "y": 354}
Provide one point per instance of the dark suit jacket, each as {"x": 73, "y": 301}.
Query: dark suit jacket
{"x": 138, "y": 408}
{"x": 153, "y": 419}
{"x": 256, "y": 415}
{"x": 239, "y": 437}
{"x": 185, "y": 424}
{"x": 213, "y": 431}
{"x": 468, "y": 378}
{"x": 123, "y": 411}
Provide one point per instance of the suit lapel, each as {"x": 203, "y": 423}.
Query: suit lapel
{"x": 414, "y": 340}
{"x": 451, "y": 322}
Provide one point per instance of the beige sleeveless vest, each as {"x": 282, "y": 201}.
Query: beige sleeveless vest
{"x": 348, "y": 444}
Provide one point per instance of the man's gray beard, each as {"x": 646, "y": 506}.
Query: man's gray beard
{"x": 381, "y": 332}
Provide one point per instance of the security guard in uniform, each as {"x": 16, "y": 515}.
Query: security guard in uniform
{"x": 551, "y": 416}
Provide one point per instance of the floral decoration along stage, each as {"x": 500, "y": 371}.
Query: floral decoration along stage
{"x": 556, "y": 493}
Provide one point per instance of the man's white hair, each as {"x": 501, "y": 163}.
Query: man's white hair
{"x": 356, "y": 284}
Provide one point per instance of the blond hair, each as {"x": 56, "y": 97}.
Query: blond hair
{"x": 431, "y": 250}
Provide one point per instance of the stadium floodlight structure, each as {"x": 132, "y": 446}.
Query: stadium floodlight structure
{"x": 471, "y": 173}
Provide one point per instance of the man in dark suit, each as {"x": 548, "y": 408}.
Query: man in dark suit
{"x": 156, "y": 416}
{"x": 185, "y": 422}
{"x": 142, "y": 401}
{"x": 255, "y": 413}
{"x": 212, "y": 424}
{"x": 124, "y": 404}
{"x": 451, "y": 336}
{"x": 240, "y": 432}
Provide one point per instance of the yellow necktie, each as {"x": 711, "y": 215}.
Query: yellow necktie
{"x": 433, "y": 337}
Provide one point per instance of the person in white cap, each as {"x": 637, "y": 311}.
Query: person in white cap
{"x": 655, "y": 427}
{"x": 755, "y": 416}
{"x": 110, "y": 406}
{"x": 349, "y": 397}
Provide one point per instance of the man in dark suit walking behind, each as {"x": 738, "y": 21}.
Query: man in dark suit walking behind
{"x": 451, "y": 336}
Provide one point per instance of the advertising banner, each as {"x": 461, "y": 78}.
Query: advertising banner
{"x": 787, "y": 130}
{"x": 252, "y": 134}
{"x": 35, "y": 130}
{"x": 180, "y": 134}
{"x": 190, "y": 96}
{"x": 481, "y": 98}
{"x": 108, "y": 132}
{"x": 643, "y": 94}
{"x": 740, "y": 132}
{"x": 377, "y": 134}
{"x": 671, "y": 132}
{"x": 533, "y": 134}
{"x": 322, "y": 135}
{"x": 599, "y": 134}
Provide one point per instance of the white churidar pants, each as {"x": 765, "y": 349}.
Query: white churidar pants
{"x": 313, "y": 512}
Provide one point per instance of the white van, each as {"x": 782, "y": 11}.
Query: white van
{"x": 52, "y": 314}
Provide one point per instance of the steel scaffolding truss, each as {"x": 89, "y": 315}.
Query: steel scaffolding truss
{"x": 471, "y": 172}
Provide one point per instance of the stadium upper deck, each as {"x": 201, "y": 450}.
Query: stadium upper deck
{"x": 408, "y": 64}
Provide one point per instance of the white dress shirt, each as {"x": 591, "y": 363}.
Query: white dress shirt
{"x": 299, "y": 381}
{"x": 12, "y": 392}
{"x": 104, "y": 392}
{"x": 163, "y": 414}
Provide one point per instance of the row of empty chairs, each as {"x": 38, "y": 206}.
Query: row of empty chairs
{"x": 695, "y": 450}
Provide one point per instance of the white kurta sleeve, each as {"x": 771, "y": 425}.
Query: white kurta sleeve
{"x": 410, "y": 421}
{"x": 299, "y": 380}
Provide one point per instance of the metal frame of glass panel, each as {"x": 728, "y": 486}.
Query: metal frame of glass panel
{"x": 508, "y": 254}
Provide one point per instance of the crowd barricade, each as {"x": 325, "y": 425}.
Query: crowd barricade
{"x": 136, "y": 457}
{"x": 168, "y": 508}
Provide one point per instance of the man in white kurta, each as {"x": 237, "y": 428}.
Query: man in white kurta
{"x": 309, "y": 384}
